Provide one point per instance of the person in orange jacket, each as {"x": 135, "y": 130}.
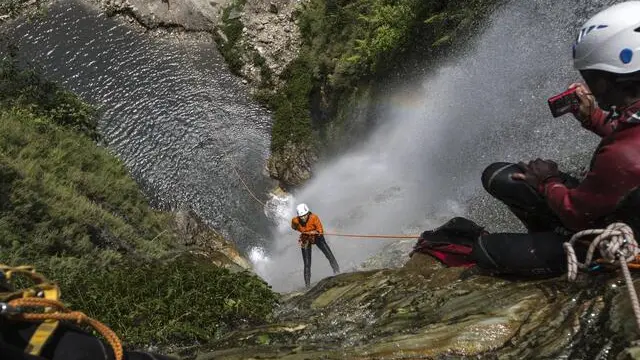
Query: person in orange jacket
{"x": 311, "y": 232}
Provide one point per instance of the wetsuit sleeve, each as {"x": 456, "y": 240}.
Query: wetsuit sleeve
{"x": 596, "y": 196}
{"x": 601, "y": 122}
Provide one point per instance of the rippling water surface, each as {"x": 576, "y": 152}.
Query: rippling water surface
{"x": 171, "y": 111}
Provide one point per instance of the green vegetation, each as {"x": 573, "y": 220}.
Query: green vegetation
{"x": 71, "y": 209}
{"x": 232, "y": 30}
{"x": 13, "y": 8}
{"x": 178, "y": 301}
{"x": 346, "y": 47}
{"x": 292, "y": 118}
{"x": 25, "y": 89}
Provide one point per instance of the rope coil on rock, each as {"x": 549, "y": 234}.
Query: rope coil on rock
{"x": 617, "y": 246}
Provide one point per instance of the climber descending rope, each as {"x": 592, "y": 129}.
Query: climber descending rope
{"x": 376, "y": 236}
{"x": 617, "y": 246}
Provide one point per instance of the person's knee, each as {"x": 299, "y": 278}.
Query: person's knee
{"x": 492, "y": 171}
{"x": 497, "y": 181}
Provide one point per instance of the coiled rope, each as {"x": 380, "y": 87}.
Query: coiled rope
{"x": 40, "y": 303}
{"x": 16, "y": 312}
{"x": 617, "y": 246}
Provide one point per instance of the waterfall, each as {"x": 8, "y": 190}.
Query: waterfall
{"x": 439, "y": 132}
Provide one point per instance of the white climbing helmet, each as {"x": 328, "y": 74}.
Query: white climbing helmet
{"x": 610, "y": 41}
{"x": 302, "y": 209}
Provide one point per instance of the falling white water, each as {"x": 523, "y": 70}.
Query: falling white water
{"x": 425, "y": 160}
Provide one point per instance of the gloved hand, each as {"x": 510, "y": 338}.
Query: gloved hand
{"x": 537, "y": 172}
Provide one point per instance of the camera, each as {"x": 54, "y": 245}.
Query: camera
{"x": 563, "y": 103}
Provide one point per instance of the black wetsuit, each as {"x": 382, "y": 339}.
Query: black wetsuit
{"x": 306, "y": 258}
{"x": 67, "y": 343}
{"x": 538, "y": 252}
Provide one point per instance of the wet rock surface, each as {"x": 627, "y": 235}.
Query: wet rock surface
{"x": 194, "y": 233}
{"x": 271, "y": 30}
{"x": 425, "y": 311}
{"x": 292, "y": 165}
{"x": 189, "y": 15}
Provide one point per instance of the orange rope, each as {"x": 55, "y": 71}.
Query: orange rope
{"x": 247, "y": 187}
{"x": 332, "y": 234}
{"x": 634, "y": 265}
{"x": 65, "y": 314}
{"x": 370, "y": 236}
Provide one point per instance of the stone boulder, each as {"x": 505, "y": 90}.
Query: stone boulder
{"x": 292, "y": 165}
{"x": 190, "y": 15}
{"x": 427, "y": 311}
{"x": 195, "y": 234}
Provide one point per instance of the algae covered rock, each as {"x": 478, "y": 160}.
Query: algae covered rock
{"x": 292, "y": 164}
{"x": 424, "y": 311}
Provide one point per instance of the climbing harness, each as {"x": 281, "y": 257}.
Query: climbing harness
{"x": 617, "y": 246}
{"x": 41, "y": 303}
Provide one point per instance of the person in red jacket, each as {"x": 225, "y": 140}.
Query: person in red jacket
{"x": 311, "y": 232}
{"x": 552, "y": 204}
{"x": 606, "y": 54}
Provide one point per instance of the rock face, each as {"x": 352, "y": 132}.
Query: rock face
{"x": 391, "y": 256}
{"x": 269, "y": 27}
{"x": 195, "y": 233}
{"x": 292, "y": 165}
{"x": 268, "y": 41}
{"x": 270, "y": 30}
{"x": 425, "y": 311}
{"x": 190, "y": 15}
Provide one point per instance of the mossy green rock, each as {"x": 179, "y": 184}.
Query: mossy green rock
{"x": 424, "y": 310}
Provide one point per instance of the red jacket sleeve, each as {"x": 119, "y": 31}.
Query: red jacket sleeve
{"x": 597, "y": 195}
{"x": 601, "y": 122}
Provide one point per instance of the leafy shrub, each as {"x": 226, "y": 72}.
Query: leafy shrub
{"x": 71, "y": 209}
{"x": 26, "y": 89}
{"x": 179, "y": 301}
{"x": 348, "y": 44}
